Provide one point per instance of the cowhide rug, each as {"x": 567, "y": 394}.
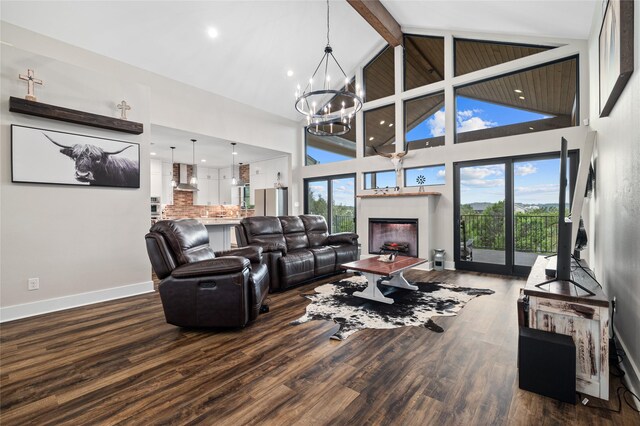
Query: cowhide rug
{"x": 336, "y": 302}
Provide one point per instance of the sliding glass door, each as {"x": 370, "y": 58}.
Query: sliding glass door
{"x": 506, "y": 212}
{"x": 333, "y": 197}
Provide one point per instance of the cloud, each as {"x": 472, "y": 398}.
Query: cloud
{"x": 483, "y": 183}
{"x": 481, "y": 172}
{"x": 468, "y": 120}
{"x": 525, "y": 169}
{"x": 441, "y": 173}
{"x": 547, "y": 188}
{"x": 436, "y": 123}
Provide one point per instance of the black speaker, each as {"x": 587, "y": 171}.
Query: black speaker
{"x": 547, "y": 363}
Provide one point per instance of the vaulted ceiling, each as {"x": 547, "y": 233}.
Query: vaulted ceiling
{"x": 258, "y": 42}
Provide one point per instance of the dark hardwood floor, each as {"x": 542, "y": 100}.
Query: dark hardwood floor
{"x": 119, "y": 362}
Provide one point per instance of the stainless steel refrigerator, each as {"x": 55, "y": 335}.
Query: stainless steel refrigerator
{"x": 271, "y": 202}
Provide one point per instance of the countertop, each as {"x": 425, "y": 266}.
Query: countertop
{"x": 211, "y": 221}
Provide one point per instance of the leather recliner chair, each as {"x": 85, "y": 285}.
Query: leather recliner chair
{"x": 200, "y": 287}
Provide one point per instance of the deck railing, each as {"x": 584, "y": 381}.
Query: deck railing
{"x": 533, "y": 233}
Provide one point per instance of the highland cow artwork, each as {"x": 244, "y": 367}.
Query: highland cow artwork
{"x": 52, "y": 157}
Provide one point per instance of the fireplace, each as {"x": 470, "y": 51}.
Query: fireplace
{"x": 399, "y": 235}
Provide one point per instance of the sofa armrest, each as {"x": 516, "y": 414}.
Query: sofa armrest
{"x": 343, "y": 238}
{"x": 217, "y": 266}
{"x": 253, "y": 253}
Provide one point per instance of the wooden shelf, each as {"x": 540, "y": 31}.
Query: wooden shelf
{"x": 400, "y": 194}
{"x": 54, "y": 112}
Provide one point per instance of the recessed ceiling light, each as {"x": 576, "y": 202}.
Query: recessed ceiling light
{"x": 234, "y": 153}
{"x": 382, "y": 122}
{"x": 517, "y": 90}
{"x": 521, "y": 97}
{"x": 371, "y": 138}
{"x": 213, "y": 33}
{"x": 390, "y": 124}
{"x": 530, "y": 128}
{"x": 153, "y": 153}
{"x": 203, "y": 160}
{"x": 290, "y": 73}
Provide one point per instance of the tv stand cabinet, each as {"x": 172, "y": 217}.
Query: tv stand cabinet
{"x": 562, "y": 308}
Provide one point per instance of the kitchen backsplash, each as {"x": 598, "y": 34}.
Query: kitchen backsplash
{"x": 183, "y": 207}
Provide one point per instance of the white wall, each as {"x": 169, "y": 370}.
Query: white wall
{"x": 75, "y": 239}
{"x": 81, "y": 240}
{"x": 615, "y": 208}
{"x": 526, "y": 144}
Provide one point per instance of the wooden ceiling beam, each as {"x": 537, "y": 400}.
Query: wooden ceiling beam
{"x": 380, "y": 19}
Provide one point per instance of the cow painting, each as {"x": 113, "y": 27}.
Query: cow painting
{"x": 97, "y": 167}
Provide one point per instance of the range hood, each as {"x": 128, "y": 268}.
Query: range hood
{"x": 184, "y": 185}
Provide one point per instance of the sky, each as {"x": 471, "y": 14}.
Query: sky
{"x": 535, "y": 182}
{"x": 343, "y": 191}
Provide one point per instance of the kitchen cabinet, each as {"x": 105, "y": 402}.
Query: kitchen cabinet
{"x": 208, "y": 184}
{"x": 156, "y": 178}
{"x": 228, "y": 191}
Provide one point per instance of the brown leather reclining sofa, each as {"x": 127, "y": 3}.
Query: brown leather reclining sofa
{"x": 297, "y": 249}
{"x": 200, "y": 287}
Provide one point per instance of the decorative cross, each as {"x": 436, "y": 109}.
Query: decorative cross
{"x": 123, "y": 107}
{"x": 30, "y": 82}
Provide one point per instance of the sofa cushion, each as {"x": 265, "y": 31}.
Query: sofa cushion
{"x": 316, "y": 228}
{"x": 294, "y": 232}
{"x": 295, "y": 267}
{"x": 187, "y": 238}
{"x": 265, "y": 231}
{"x": 324, "y": 259}
{"x": 345, "y": 253}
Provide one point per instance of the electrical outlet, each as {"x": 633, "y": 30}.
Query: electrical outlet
{"x": 34, "y": 283}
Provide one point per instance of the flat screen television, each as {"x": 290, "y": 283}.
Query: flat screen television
{"x": 566, "y": 234}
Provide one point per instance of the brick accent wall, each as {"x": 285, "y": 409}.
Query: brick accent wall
{"x": 244, "y": 173}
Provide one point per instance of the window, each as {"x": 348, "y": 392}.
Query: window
{"x": 533, "y": 100}
{"x": 333, "y": 197}
{"x": 474, "y": 55}
{"x": 379, "y": 76}
{"x": 424, "y": 121}
{"x": 429, "y": 175}
{"x": 423, "y": 60}
{"x": 330, "y": 149}
{"x": 379, "y": 130}
{"x": 383, "y": 179}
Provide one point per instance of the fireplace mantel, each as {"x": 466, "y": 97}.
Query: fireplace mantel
{"x": 400, "y": 194}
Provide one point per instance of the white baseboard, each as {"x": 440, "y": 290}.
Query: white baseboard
{"x": 11, "y": 313}
{"x": 631, "y": 372}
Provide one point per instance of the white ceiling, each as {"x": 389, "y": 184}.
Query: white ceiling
{"x": 217, "y": 152}
{"x": 259, "y": 41}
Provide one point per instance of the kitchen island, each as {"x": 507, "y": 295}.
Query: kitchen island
{"x": 221, "y": 232}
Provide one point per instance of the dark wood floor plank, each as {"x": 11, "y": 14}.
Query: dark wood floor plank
{"x": 118, "y": 362}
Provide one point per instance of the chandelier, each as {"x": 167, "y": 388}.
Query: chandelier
{"x": 328, "y": 111}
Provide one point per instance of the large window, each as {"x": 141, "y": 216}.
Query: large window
{"x": 330, "y": 149}
{"x": 379, "y": 130}
{"x": 474, "y": 55}
{"x": 423, "y": 60}
{"x": 381, "y": 179}
{"x": 428, "y": 175}
{"x": 532, "y": 100}
{"x": 424, "y": 121}
{"x": 333, "y": 197}
{"x": 379, "y": 76}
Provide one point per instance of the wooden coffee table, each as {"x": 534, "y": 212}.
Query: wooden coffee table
{"x": 374, "y": 269}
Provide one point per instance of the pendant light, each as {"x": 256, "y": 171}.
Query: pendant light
{"x": 233, "y": 164}
{"x": 194, "y": 179}
{"x": 173, "y": 179}
{"x": 323, "y": 117}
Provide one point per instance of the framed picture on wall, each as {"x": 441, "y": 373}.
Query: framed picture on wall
{"x": 52, "y": 157}
{"x": 615, "y": 52}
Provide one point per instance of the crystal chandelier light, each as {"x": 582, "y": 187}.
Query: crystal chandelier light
{"x": 328, "y": 111}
